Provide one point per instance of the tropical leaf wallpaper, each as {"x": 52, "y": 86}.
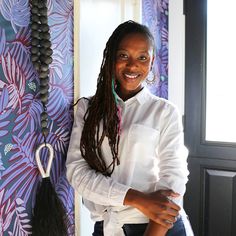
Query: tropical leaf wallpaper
{"x": 20, "y": 110}
{"x": 155, "y": 16}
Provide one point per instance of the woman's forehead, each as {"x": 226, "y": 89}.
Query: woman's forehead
{"x": 135, "y": 40}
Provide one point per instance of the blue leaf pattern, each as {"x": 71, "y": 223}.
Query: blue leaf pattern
{"x": 22, "y": 223}
{"x": 2, "y": 41}
{"x": 15, "y": 77}
{"x": 20, "y": 113}
{"x": 20, "y": 49}
{"x": 155, "y": 16}
{"x": 56, "y": 68}
{"x": 61, "y": 22}
{"x": 22, "y": 173}
{"x": 15, "y": 11}
{"x": 30, "y": 116}
{"x": 60, "y": 99}
{"x": 4, "y": 99}
{"x": 7, "y": 211}
{"x": 1, "y": 166}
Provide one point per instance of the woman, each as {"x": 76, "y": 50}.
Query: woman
{"x": 126, "y": 155}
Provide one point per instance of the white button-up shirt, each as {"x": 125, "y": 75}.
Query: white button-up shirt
{"x": 151, "y": 153}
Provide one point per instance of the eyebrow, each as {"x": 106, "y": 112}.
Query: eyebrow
{"x": 121, "y": 49}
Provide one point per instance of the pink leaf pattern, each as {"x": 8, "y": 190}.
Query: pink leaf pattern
{"x": 155, "y": 16}
{"x": 6, "y": 212}
{"x": 56, "y": 68}
{"x": 16, "y": 80}
{"x": 22, "y": 173}
{"x": 20, "y": 47}
{"x": 1, "y": 166}
{"x": 4, "y": 99}
{"x": 61, "y": 22}
{"x": 20, "y": 113}
{"x": 61, "y": 96}
{"x": 3, "y": 47}
{"x": 30, "y": 116}
{"x": 22, "y": 225}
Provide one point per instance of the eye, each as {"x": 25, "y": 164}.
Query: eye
{"x": 122, "y": 56}
{"x": 143, "y": 58}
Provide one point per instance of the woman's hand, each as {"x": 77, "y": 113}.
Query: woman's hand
{"x": 156, "y": 205}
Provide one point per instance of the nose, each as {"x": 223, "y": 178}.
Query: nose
{"x": 131, "y": 63}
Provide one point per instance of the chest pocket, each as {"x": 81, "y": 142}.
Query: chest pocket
{"x": 144, "y": 139}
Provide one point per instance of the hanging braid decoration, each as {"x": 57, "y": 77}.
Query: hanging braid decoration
{"x": 103, "y": 116}
{"x": 49, "y": 216}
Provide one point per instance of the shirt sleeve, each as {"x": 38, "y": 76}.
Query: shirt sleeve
{"x": 172, "y": 153}
{"x": 89, "y": 183}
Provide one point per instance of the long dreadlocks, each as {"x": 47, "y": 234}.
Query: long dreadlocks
{"x": 102, "y": 112}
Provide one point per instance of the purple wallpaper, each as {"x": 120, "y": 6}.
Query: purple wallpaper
{"x": 20, "y": 112}
{"x": 155, "y": 16}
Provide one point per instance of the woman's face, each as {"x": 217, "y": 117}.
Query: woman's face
{"x": 134, "y": 59}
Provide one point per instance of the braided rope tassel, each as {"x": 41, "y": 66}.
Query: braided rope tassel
{"x": 49, "y": 215}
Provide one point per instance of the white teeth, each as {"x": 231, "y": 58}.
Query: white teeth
{"x": 131, "y": 76}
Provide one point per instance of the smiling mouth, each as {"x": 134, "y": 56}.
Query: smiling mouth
{"x": 131, "y": 75}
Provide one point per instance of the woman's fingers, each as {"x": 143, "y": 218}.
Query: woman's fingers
{"x": 171, "y": 205}
{"x": 161, "y": 198}
{"x": 168, "y": 218}
{"x": 169, "y": 210}
{"x": 168, "y": 215}
{"x": 169, "y": 193}
{"x": 167, "y": 224}
{"x": 165, "y": 220}
{"x": 167, "y": 196}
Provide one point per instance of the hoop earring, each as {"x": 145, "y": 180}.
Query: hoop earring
{"x": 151, "y": 78}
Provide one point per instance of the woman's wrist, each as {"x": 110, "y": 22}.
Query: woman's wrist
{"x": 133, "y": 197}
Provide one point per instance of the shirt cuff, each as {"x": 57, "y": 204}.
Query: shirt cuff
{"x": 117, "y": 194}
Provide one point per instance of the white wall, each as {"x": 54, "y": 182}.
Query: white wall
{"x": 176, "y": 53}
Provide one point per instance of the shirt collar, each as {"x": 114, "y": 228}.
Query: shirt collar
{"x": 142, "y": 96}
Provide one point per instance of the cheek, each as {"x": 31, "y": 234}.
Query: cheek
{"x": 147, "y": 68}
{"x": 118, "y": 68}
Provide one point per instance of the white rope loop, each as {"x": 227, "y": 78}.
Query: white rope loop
{"x": 44, "y": 173}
